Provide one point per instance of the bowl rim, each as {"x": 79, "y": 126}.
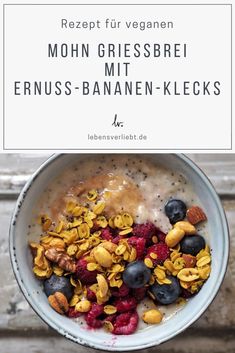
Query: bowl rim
{"x": 100, "y": 346}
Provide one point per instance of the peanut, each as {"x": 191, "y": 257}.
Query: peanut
{"x": 174, "y": 236}
{"x": 103, "y": 257}
{"x": 187, "y": 227}
{"x": 152, "y": 316}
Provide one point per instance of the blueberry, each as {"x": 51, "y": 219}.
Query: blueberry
{"x": 136, "y": 274}
{"x": 166, "y": 293}
{"x": 58, "y": 284}
{"x": 175, "y": 210}
{"x": 192, "y": 244}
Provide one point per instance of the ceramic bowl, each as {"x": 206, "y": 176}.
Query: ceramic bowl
{"x": 151, "y": 335}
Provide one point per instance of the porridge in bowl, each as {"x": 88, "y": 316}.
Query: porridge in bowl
{"x": 119, "y": 242}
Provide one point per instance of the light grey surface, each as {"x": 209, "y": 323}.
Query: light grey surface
{"x": 22, "y": 331}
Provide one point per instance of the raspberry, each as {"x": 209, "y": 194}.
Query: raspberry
{"x": 106, "y": 234}
{"x": 90, "y": 295}
{"x": 139, "y": 293}
{"x": 126, "y": 323}
{"x": 92, "y": 317}
{"x": 123, "y": 291}
{"x": 145, "y": 230}
{"x": 126, "y": 304}
{"x": 139, "y": 245}
{"x": 161, "y": 236}
{"x": 110, "y": 318}
{"x": 73, "y": 314}
{"x": 116, "y": 239}
{"x": 85, "y": 276}
{"x": 161, "y": 250}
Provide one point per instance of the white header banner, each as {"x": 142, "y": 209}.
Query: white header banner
{"x": 117, "y": 77}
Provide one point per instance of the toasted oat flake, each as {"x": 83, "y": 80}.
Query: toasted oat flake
{"x": 92, "y": 195}
{"x": 175, "y": 255}
{"x": 110, "y": 309}
{"x": 148, "y": 262}
{"x": 160, "y": 274}
{"x": 53, "y": 234}
{"x": 127, "y": 220}
{"x": 185, "y": 285}
{"x": 116, "y": 268}
{"x": 204, "y": 272}
{"x": 72, "y": 249}
{"x": 118, "y": 222}
{"x": 163, "y": 281}
{"x": 133, "y": 255}
{"x": 70, "y": 206}
{"x": 58, "y": 271}
{"x": 126, "y": 231}
{"x": 188, "y": 274}
{"x": 99, "y": 207}
{"x": 111, "y": 222}
{"x": 73, "y": 282}
{"x": 179, "y": 263}
{"x": 108, "y": 326}
{"x": 116, "y": 258}
{"x": 84, "y": 246}
{"x": 74, "y": 300}
{"x": 59, "y": 227}
{"x": 153, "y": 255}
{"x": 120, "y": 249}
{"x": 92, "y": 266}
{"x": 203, "y": 261}
{"x": 83, "y": 231}
{"x": 77, "y": 211}
{"x": 101, "y": 221}
{"x": 57, "y": 243}
{"x": 42, "y": 273}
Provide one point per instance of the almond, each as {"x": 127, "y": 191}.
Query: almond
{"x": 195, "y": 215}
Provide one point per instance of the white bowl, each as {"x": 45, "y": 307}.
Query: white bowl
{"x": 151, "y": 335}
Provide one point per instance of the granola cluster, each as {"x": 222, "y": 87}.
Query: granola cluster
{"x": 89, "y": 253}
